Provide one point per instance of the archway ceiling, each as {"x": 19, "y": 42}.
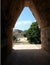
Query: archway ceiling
{"x": 11, "y": 10}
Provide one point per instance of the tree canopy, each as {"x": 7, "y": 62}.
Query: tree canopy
{"x": 33, "y": 34}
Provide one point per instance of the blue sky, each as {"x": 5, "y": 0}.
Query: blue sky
{"x": 25, "y": 19}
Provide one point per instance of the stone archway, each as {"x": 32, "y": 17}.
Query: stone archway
{"x": 10, "y": 12}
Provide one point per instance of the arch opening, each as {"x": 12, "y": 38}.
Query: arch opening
{"x": 23, "y": 24}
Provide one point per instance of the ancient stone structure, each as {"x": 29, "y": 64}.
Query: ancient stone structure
{"x": 11, "y": 10}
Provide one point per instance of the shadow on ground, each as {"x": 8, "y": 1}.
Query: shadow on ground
{"x": 28, "y": 57}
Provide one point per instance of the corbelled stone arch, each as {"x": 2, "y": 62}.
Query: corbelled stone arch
{"x": 11, "y": 10}
{"x": 40, "y": 14}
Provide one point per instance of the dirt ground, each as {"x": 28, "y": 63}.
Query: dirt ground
{"x": 24, "y": 44}
{"x": 24, "y": 53}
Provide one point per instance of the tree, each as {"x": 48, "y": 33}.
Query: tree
{"x": 14, "y": 38}
{"x": 25, "y": 33}
{"x": 33, "y": 33}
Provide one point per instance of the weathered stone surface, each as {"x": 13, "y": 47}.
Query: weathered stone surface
{"x": 45, "y": 38}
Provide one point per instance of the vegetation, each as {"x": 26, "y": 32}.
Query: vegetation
{"x": 14, "y": 38}
{"x": 25, "y": 33}
{"x": 33, "y": 34}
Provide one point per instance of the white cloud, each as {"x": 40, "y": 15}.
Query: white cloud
{"x": 23, "y": 22}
